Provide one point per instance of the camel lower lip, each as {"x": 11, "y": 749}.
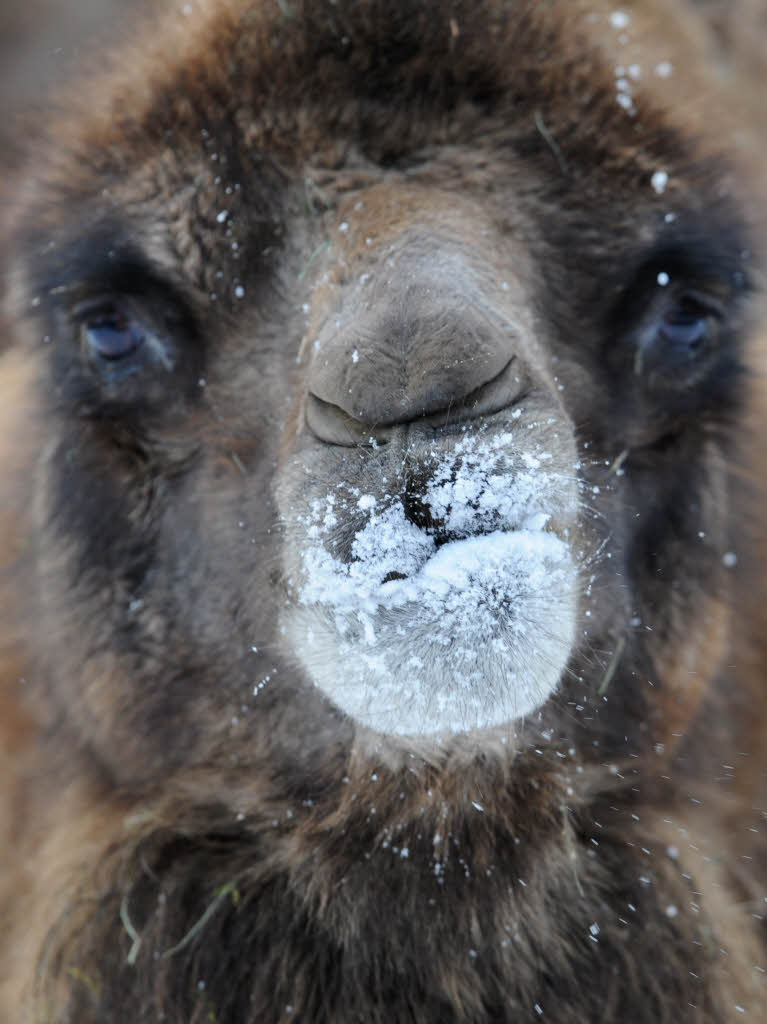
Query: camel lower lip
{"x": 464, "y": 629}
{"x": 475, "y": 635}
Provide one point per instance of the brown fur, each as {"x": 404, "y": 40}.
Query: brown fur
{"x": 178, "y": 848}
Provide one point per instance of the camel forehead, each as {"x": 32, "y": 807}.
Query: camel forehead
{"x": 357, "y": 85}
{"x": 225, "y": 135}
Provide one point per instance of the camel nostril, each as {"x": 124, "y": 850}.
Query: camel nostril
{"x": 331, "y": 424}
{"x": 340, "y": 423}
{"x": 423, "y": 349}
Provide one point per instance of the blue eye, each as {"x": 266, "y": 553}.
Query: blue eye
{"x": 677, "y": 341}
{"x": 113, "y": 336}
{"x": 686, "y": 330}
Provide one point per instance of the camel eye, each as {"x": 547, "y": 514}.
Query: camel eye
{"x": 685, "y": 330}
{"x": 677, "y": 344}
{"x": 112, "y": 336}
{"x": 120, "y": 343}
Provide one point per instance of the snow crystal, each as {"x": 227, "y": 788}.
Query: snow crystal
{"x": 659, "y": 181}
{"x": 624, "y": 100}
{"x": 221, "y": 217}
{"x": 619, "y": 19}
{"x": 483, "y": 494}
{"x": 663, "y": 279}
{"x": 665, "y": 69}
{"x": 239, "y": 291}
{"x": 730, "y": 560}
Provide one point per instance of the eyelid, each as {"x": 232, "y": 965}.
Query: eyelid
{"x": 697, "y": 301}
{"x": 106, "y": 305}
{"x": 90, "y": 306}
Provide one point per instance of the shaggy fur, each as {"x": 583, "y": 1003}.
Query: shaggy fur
{"x": 192, "y": 832}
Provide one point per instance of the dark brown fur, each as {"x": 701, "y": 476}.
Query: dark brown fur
{"x": 178, "y": 849}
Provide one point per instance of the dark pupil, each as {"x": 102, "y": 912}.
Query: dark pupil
{"x": 685, "y": 329}
{"x": 113, "y": 336}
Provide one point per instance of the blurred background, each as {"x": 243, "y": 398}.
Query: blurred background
{"x": 41, "y": 41}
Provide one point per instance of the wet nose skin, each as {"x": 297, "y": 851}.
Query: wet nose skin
{"x": 417, "y": 338}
